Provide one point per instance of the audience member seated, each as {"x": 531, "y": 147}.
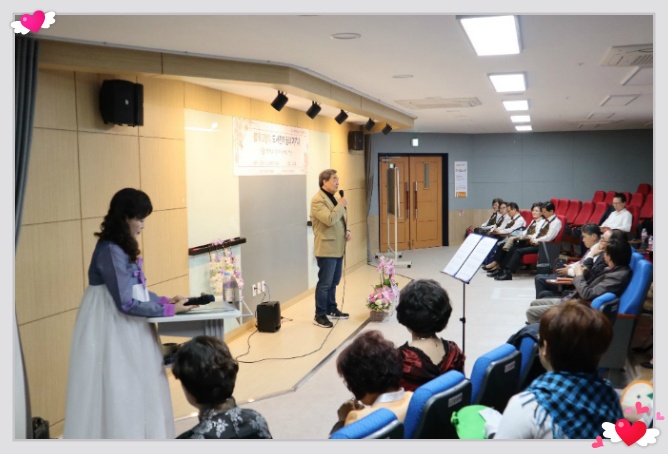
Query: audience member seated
{"x": 521, "y": 236}
{"x": 371, "y": 369}
{"x": 621, "y": 218}
{"x": 493, "y": 219}
{"x": 424, "y": 309}
{"x": 513, "y": 221}
{"x": 548, "y": 231}
{"x": 591, "y": 236}
{"x": 614, "y": 279}
{"x": 208, "y": 374}
{"x": 570, "y": 400}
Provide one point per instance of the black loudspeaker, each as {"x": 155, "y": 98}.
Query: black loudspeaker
{"x": 122, "y": 102}
{"x": 355, "y": 140}
{"x": 268, "y": 316}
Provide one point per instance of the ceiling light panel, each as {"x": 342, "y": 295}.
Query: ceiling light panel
{"x": 508, "y": 83}
{"x": 492, "y": 35}
{"x": 520, "y": 118}
{"x": 523, "y": 128}
{"x": 512, "y": 106}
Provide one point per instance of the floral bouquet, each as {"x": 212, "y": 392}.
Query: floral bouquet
{"x": 386, "y": 292}
{"x": 221, "y": 261}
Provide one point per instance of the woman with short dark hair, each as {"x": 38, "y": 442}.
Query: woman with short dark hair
{"x": 424, "y": 309}
{"x": 208, "y": 373}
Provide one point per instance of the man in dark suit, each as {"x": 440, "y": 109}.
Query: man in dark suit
{"x": 328, "y": 216}
{"x": 615, "y": 279}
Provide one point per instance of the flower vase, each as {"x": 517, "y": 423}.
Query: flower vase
{"x": 379, "y": 316}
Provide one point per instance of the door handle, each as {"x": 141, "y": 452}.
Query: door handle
{"x": 408, "y": 198}
{"x": 415, "y": 201}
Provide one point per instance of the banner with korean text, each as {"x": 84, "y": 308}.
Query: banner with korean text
{"x": 461, "y": 179}
{"x": 262, "y": 148}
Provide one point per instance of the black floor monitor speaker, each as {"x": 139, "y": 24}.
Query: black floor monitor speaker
{"x": 122, "y": 102}
{"x": 268, "y": 316}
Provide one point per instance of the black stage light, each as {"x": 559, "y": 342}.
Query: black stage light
{"x": 387, "y": 129}
{"x": 341, "y": 117}
{"x": 314, "y": 110}
{"x": 369, "y": 125}
{"x": 279, "y": 101}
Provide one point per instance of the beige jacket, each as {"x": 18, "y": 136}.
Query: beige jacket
{"x": 329, "y": 226}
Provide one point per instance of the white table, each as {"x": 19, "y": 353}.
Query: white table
{"x": 206, "y": 320}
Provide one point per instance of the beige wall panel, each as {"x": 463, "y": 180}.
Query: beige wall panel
{"x": 457, "y": 224}
{"x": 172, "y": 287}
{"x": 350, "y": 168}
{"x": 89, "y": 240}
{"x": 162, "y": 164}
{"x": 49, "y": 270}
{"x": 339, "y": 138}
{"x": 46, "y": 352}
{"x": 52, "y": 193}
{"x": 235, "y": 105}
{"x": 356, "y": 247}
{"x": 108, "y": 163}
{"x": 219, "y": 69}
{"x": 55, "y": 104}
{"x": 356, "y": 205}
{"x": 202, "y": 98}
{"x": 88, "y": 104}
{"x": 262, "y": 111}
{"x": 373, "y": 233}
{"x": 165, "y": 245}
{"x": 100, "y": 59}
{"x": 163, "y": 108}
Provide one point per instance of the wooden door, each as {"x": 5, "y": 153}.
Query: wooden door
{"x": 426, "y": 220}
{"x": 402, "y": 233}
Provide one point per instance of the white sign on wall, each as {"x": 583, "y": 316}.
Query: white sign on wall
{"x": 461, "y": 179}
{"x": 262, "y": 148}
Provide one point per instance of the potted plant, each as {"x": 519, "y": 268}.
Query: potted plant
{"x": 385, "y": 294}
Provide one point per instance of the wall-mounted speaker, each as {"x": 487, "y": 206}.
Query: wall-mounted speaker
{"x": 122, "y": 102}
{"x": 355, "y": 140}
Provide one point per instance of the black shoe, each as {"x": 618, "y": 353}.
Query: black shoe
{"x": 647, "y": 365}
{"x": 494, "y": 273}
{"x": 336, "y": 313}
{"x": 505, "y": 275}
{"x": 322, "y": 321}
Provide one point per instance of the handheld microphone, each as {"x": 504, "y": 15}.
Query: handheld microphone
{"x": 341, "y": 192}
{"x": 200, "y": 300}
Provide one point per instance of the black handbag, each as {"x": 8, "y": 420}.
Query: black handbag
{"x": 40, "y": 428}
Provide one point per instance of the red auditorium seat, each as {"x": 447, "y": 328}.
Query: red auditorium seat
{"x": 563, "y": 207}
{"x": 555, "y": 202}
{"x": 599, "y": 196}
{"x": 532, "y": 259}
{"x": 628, "y": 196}
{"x": 596, "y": 215}
{"x": 635, "y": 213}
{"x": 526, "y": 214}
{"x": 573, "y": 210}
{"x": 647, "y": 210}
{"x": 645, "y": 188}
{"x": 583, "y": 216}
{"x": 609, "y": 196}
{"x": 637, "y": 200}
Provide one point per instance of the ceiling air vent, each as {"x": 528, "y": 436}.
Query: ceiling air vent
{"x": 439, "y": 103}
{"x": 636, "y": 55}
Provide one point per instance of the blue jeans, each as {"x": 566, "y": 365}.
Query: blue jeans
{"x": 329, "y": 276}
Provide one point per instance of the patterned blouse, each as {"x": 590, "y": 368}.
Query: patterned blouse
{"x": 230, "y": 422}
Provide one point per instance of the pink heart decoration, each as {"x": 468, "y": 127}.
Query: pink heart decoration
{"x": 659, "y": 416}
{"x": 34, "y": 22}
{"x": 640, "y": 409}
{"x": 628, "y": 410}
{"x": 630, "y": 433}
{"x": 598, "y": 443}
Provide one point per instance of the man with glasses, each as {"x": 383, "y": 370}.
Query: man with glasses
{"x": 621, "y": 218}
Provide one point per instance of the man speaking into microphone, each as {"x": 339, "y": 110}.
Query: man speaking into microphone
{"x": 328, "y": 216}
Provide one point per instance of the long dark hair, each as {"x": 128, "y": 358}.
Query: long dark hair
{"x": 126, "y": 204}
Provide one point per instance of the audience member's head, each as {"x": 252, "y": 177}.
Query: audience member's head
{"x": 495, "y": 203}
{"x": 503, "y": 207}
{"x": 547, "y": 210}
{"x": 619, "y": 201}
{"x": 618, "y": 234}
{"x": 536, "y": 209}
{"x": 424, "y": 307}
{"x": 371, "y": 364}
{"x": 513, "y": 208}
{"x": 573, "y": 337}
{"x": 591, "y": 234}
{"x": 206, "y": 370}
{"x": 617, "y": 252}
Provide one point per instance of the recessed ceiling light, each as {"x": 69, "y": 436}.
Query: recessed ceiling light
{"x": 523, "y": 128}
{"x": 492, "y": 35}
{"x": 508, "y": 83}
{"x": 346, "y": 36}
{"x": 516, "y": 105}
{"x": 403, "y": 76}
{"x": 520, "y": 118}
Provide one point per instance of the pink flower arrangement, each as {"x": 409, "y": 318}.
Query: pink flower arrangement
{"x": 386, "y": 293}
{"x": 221, "y": 261}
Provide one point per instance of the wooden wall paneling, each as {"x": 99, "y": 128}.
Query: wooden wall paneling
{"x": 177, "y": 286}
{"x": 356, "y": 247}
{"x": 162, "y": 164}
{"x": 89, "y": 117}
{"x": 262, "y": 111}
{"x": 89, "y": 240}
{"x": 49, "y": 272}
{"x": 202, "y": 98}
{"x": 235, "y": 105}
{"x": 350, "y": 168}
{"x": 55, "y": 106}
{"x": 108, "y": 163}
{"x": 165, "y": 245}
{"x": 356, "y": 205}
{"x": 457, "y": 224}
{"x": 46, "y": 353}
{"x": 163, "y": 108}
{"x": 52, "y": 192}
